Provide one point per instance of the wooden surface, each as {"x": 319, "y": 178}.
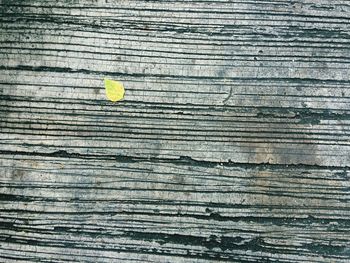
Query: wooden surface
{"x": 232, "y": 142}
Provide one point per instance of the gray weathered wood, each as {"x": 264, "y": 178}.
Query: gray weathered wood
{"x": 232, "y": 142}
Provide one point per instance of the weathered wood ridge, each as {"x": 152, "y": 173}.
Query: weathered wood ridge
{"x": 232, "y": 143}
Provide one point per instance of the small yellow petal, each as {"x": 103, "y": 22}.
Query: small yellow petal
{"x": 114, "y": 90}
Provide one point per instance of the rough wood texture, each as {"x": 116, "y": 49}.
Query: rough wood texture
{"x": 232, "y": 143}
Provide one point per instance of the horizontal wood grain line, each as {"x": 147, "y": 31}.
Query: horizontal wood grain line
{"x": 298, "y": 64}
{"x": 162, "y": 75}
{"x": 170, "y": 40}
{"x": 180, "y": 137}
{"x": 180, "y": 160}
{"x": 285, "y": 57}
{"x": 144, "y": 12}
{"x": 321, "y": 131}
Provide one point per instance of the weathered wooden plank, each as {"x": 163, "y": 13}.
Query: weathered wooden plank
{"x": 222, "y": 134}
{"x": 232, "y": 143}
{"x": 281, "y": 60}
{"x": 186, "y": 209}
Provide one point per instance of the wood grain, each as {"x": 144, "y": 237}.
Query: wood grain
{"x": 232, "y": 142}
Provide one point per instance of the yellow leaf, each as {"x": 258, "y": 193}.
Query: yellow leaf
{"x": 114, "y": 90}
